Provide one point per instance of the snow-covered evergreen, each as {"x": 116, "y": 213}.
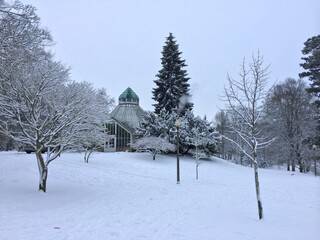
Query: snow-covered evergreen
{"x": 172, "y": 90}
{"x": 161, "y": 125}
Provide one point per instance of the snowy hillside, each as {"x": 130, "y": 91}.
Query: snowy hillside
{"x": 130, "y": 196}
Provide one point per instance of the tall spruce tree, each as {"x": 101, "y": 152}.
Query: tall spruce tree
{"x": 311, "y": 64}
{"x": 172, "y": 90}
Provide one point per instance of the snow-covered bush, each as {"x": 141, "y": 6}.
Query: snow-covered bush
{"x": 153, "y": 145}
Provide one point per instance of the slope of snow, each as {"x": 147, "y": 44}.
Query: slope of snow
{"x": 130, "y": 196}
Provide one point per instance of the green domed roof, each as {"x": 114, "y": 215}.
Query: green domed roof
{"x": 129, "y": 94}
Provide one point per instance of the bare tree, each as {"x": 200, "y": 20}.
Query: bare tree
{"x": 244, "y": 99}
{"x": 198, "y": 139}
{"x": 291, "y": 116}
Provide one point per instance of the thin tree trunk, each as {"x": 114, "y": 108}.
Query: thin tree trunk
{"x": 293, "y": 165}
{"x": 197, "y": 172}
{"x": 87, "y": 155}
{"x": 315, "y": 161}
{"x": 256, "y": 178}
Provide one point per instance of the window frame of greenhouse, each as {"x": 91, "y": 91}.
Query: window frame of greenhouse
{"x": 118, "y": 135}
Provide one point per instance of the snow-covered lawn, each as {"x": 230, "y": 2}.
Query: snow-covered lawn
{"x": 130, "y": 196}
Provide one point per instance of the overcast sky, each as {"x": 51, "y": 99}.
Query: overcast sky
{"x": 117, "y": 43}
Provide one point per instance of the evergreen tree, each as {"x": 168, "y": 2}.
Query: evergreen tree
{"x": 312, "y": 64}
{"x": 161, "y": 126}
{"x": 172, "y": 91}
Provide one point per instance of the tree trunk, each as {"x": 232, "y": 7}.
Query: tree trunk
{"x": 288, "y": 164}
{"x": 9, "y": 145}
{"x": 293, "y": 164}
{"x": 256, "y": 178}
{"x": 43, "y": 180}
{"x": 197, "y": 172}
{"x": 315, "y": 160}
{"x": 87, "y": 155}
{"x": 154, "y": 156}
{"x": 300, "y": 162}
{"x": 43, "y": 172}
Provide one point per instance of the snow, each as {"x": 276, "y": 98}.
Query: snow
{"x": 130, "y": 196}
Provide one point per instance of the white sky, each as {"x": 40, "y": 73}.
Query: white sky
{"x": 117, "y": 43}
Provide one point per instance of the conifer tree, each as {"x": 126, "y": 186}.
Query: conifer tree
{"x": 311, "y": 64}
{"x": 172, "y": 90}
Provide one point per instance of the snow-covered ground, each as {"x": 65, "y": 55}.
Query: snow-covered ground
{"x": 130, "y": 196}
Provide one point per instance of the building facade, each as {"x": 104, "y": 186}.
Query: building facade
{"x": 123, "y": 120}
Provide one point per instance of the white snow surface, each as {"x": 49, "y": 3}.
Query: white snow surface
{"x": 130, "y": 196}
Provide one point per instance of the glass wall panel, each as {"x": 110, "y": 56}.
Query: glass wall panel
{"x": 111, "y": 128}
{"x": 123, "y": 137}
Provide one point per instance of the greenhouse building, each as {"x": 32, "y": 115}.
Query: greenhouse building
{"x": 123, "y": 120}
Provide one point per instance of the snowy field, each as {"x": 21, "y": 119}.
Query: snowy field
{"x": 130, "y": 196}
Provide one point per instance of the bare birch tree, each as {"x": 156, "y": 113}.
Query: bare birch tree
{"x": 198, "y": 140}
{"x": 244, "y": 97}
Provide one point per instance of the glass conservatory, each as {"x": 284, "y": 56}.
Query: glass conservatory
{"x": 123, "y": 120}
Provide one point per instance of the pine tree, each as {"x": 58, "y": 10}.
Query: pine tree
{"x": 312, "y": 64}
{"x": 172, "y": 91}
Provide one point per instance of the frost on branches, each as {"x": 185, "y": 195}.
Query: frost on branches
{"x": 244, "y": 97}
{"x": 153, "y": 145}
{"x": 91, "y": 134}
{"x": 39, "y": 105}
{"x": 290, "y": 116}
